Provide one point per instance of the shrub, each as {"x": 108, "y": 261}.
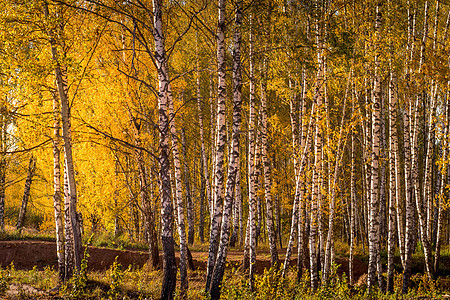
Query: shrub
{"x": 116, "y": 275}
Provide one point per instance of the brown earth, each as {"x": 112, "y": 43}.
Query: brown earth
{"x": 27, "y": 254}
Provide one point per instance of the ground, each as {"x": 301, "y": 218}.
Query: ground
{"x": 26, "y": 254}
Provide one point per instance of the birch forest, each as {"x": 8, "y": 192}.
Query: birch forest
{"x": 249, "y": 149}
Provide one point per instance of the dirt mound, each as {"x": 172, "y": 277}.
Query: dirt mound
{"x": 26, "y": 254}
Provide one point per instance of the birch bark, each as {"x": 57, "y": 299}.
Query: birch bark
{"x": 164, "y": 99}
{"x": 220, "y": 149}
{"x": 233, "y": 159}
{"x": 179, "y": 201}
{"x": 57, "y": 188}
{"x": 374, "y": 218}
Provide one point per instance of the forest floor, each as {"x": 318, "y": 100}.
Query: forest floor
{"x": 33, "y": 256}
{"x": 27, "y": 254}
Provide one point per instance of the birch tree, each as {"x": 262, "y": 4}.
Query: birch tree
{"x": 374, "y": 218}
{"x": 57, "y": 187}
{"x": 220, "y": 148}
{"x": 233, "y": 164}
{"x": 164, "y": 100}
{"x": 178, "y": 195}
{"x": 62, "y": 87}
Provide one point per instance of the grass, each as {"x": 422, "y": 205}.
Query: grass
{"x": 143, "y": 283}
{"x": 10, "y": 234}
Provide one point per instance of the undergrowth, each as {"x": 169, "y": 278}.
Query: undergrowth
{"x": 271, "y": 285}
{"x": 142, "y": 283}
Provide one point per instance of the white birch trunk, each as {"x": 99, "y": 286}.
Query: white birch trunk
{"x": 189, "y": 204}
{"x": 179, "y": 201}
{"x": 393, "y": 195}
{"x": 233, "y": 160}
{"x": 407, "y": 140}
{"x": 204, "y": 157}
{"x": 220, "y": 149}
{"x": 374, "y": 218}
{"x": 164, "y": 99}
{"x": 62, "y": 87}
{"x": 57, "y": 188}
{"x": 267, "y": 177}
{"x": 332, "y": 212}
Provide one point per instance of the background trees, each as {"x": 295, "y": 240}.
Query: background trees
{"x": 343, "y": 137}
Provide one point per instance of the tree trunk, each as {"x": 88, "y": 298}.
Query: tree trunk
{"x": 267, "y": 176}
{"x": 443, "y": 193}
{"x": 57, "y": 189}
{"x": 237, "y": 209}
{"x": 316, "y": 199}
{"x": 204, "y": 158}
{"x": 298, "y": 185}
{"x": 179, "y": 203}
{"x": 332, "y": 211}
{"x": 374, "y": 218}
{"x": 26, "y": 193}
{"x": 62, "y": 87}
{"x": 189, "y": 203}
{"x": 3, "y": 147}
{"x": 201, "y": 222}
{"x": 149, "y": 216}
{"x": 68, "y": 233}
{"x": 233, "y": 159}
{"x": 220, "y": 149}
{"x": 251, "y": 167}
{"x": 415, "y": 157}
{"x": 353, "y": 202}
{"x": 164, "y": 99}
{"x": 407, "y": 143}
{"x": 393, "y": 163}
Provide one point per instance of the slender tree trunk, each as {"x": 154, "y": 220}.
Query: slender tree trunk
{"x": 201, "y": 222}
{"x": 393, "y": 163}
{"x": 297, "y": 198}
{"x": 295, "y": 225}
{"x": 3, "y": 145}
{"x": 353, "y": 202}
{"x": 316, "y": 199}
{"x": 374, "y": 218}
{"x": 68, "y": 233}
{"x": 189, "y": 203}
{"x": 62, "y": 87}
{"x": 164, "y": 100}
{"x": 149, "y": 217}
{"x": 237, "y": 208}
{"x": 204, "y": 157}
{"x": 179, "y": 203}
{"x": 220, "y": 149}
{"x": 26, "y": 193}
{"x": 258, "y": 183}
{"x": 246, "y": 258}
{"x": 443, "y": 193}
{"x": 415, "y": 157}
{"x": 2, "y": 188}
{"x": 57, "y": 189}
{"x": 332, "y": 210}
{"x": 233, "y": 159}
{"x": 251, "y": 167}
{"x": 407, "y": 144}
{"x": 267, "y": 177}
